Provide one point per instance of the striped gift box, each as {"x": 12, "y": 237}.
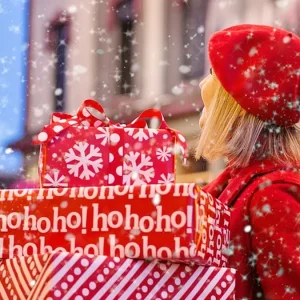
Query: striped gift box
{"x": 19, "y": 275}
{"x": 75, "y": 276}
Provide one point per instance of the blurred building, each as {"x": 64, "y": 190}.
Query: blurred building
{"x": 131, "y": 55}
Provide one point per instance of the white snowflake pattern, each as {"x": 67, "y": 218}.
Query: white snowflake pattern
{"x": 55, "y": 181}
{"x": 138, "y": 168}
{"x": 104, "y": 135}
{"x": 166, "y": 178}
{"x": 164, "y": 153}
{"x": 84, "y": 160}
{"x": 141, "y": 134}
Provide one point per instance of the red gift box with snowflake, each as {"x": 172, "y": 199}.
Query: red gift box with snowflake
{"x": 75, "y": 276}
{"x": 85, "y": 150}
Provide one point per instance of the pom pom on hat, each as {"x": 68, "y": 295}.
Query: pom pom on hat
{"x": 259, "y": 66}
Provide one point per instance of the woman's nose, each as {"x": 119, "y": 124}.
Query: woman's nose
{"x": 202, "y": 82}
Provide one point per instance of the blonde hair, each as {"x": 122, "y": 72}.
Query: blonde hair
{"x": 232, "y": 132}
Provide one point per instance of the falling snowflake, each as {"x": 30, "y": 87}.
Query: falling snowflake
{"x": 104, "y": 135}
{"x": 84, "y": 160}
{"x": 4, "y": 102}
{"x": 247, "y": 228}
{"x": 166, "y": 178}
{"x": 273, "y": 85}
{"x": 55, "y": 181}
{"x": 14, "y": 29}
{"x": 138, "y": 168}
{"x": 141, "y": 134}
{"x": 177, "y": 90}
{"x": 164, "y": 153}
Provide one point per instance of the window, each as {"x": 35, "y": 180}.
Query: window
{"x": 58, "y": 40}
{"x": 186, "y": 44}
{"x": 60, "y": 57}
{"x": 194, "y": 15}
{"x": 126, "y": 18}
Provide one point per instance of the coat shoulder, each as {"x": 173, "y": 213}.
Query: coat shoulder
{"x": 279, "y": 186}
{"x": 275, "y": 239}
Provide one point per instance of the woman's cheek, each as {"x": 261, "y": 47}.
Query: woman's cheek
{"x": 208, "y": 92}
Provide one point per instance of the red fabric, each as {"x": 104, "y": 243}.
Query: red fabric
{"x": 265, "y": 196}
{"x": 260, "y": 67}
{"x": 75, "y": 276}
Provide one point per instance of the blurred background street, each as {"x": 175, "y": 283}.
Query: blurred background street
{"x": 129, "y": 55}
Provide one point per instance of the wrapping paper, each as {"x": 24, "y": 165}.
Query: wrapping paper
{"x": 108, "y": 156}
{"x": 153, "y": 221}
{"x": 75, "y": 276}
{"x": 86, "y": 151}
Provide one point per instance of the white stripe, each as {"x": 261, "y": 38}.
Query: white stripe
{"x": 200, "y": 283}
{"x": 47, "y": 271}
{"x": 14, "y": 279}
{"x": 137, "y": 281}
{"x": 228, "y": 292}
{"x": 125, "y": 280}
{"x": 25, "y": 269}
{"x": 3, "y": 293}
{"x": 162, "y": 281}
{"x": 113, "y": 279}
{"x": 37, "y": 262}
{"x": 82, "y": 279}
{"x": 188, "y": 283}
{"x": 57, "y": 276}
{"x": 21, "y": 278}
{"x": 96, "y": 263}
{"x": 212, "y": 284}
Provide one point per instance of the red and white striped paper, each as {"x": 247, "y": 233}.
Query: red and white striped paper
{"x": 19, "y": 275}
{"x": 74, "y": 276}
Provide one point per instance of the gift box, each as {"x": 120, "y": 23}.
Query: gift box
{"x": 84, "y": 150}
{"x": 76, "y": 276}
{"x": 178, "y": 222}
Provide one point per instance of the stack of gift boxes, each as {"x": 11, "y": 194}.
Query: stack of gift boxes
{"x": 109, "y": 221}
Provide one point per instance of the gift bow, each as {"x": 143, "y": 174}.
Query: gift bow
{"x": 62, "y": 121}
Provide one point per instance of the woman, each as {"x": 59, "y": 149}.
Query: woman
{"x": 252, "y": 106}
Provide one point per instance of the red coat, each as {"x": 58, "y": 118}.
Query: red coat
{"x": 265, "y": 228}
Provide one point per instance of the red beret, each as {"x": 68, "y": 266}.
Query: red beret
{"x": 259, "y": 66}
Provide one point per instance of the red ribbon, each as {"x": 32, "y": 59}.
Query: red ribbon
{"x": 62, "y": 121}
